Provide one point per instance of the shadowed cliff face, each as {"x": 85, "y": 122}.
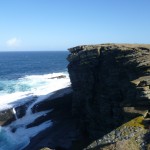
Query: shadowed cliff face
{"x": 111, "y": 84}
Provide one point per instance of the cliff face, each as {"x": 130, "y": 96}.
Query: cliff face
{"x": 111, "y": 84}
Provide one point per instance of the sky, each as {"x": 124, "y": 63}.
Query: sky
{"x": 33, "y": 25}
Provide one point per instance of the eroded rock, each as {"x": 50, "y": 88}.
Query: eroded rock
{"x": 111, "y": 84}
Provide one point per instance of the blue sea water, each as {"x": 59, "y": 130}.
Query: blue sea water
{"x": 18, "y": 65}
{"x": 14, "y": 65}
{"x": 24, "y": 76}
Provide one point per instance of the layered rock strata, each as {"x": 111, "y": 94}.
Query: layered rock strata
{"x": 111, "y": 84}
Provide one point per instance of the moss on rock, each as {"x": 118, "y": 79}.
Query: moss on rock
{"x": 136, "y": 122}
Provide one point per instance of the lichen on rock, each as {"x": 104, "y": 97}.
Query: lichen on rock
{"x": 130, "y": 136}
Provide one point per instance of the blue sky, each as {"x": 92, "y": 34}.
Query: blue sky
{"x": 60, "y": 24}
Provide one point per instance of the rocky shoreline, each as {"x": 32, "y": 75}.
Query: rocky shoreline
{"x": 108, "y": 106}
{"x": 63, "y": 131}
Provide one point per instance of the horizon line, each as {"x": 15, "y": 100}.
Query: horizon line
{"x": 33, "y": 50}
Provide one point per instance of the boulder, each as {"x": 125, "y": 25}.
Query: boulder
{"x": 58, "y": 77}
{"x": 6, "y": 117}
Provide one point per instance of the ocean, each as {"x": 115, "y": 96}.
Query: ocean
{"x": 24, "y": 76}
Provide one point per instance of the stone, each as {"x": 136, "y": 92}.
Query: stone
{"x": 58, "y": 77}
{"x": 46, "y": 148}
{"x": 110, "y": 85}
{"x": 6, "y": 117}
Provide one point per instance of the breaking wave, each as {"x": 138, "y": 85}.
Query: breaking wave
{"x": 19, "y": 91}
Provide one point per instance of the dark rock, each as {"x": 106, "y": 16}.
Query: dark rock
{"x": 63, "y": 130}
{"x": 50, "y": 104}
{"x": 111, "y": 84}
{"x": 6, "y": 117}
{"x": 58, "y": 77}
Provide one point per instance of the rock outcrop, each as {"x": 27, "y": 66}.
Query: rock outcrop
{"x": 130, "y": 136}
{"x": 57, "y": 109}
{"x": 63, "y": 131}
{"x": 9, "y": 115}
{"x": 111, "y": 84}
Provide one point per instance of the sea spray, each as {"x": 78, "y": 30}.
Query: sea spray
{"x": 26, "y": 77}
{"x": 38, "y": 86}
{"x": 21, "y": 138}
{"x": 41, "y": 87}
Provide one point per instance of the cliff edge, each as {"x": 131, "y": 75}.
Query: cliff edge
{"x": 111, "y": 86}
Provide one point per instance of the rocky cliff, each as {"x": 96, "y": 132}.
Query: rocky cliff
{"x": 111, "y": 84}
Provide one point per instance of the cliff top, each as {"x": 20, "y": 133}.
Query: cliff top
{"x": 110, "y": 46}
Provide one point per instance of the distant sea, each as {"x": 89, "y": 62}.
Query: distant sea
{"x": 24, "y": 76}
{"x": 14, "y": 65}
{"x": 22, "y": 73}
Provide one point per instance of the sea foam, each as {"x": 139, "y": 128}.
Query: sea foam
{"x": 25, "y": 89}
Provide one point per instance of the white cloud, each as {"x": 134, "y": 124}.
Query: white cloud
{"x": 13, "y": 42}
